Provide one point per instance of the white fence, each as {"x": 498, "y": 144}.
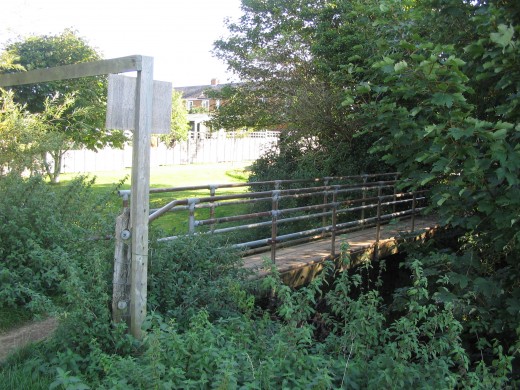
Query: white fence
{"x": 221, "y": 148}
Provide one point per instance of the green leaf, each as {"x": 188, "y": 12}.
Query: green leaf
{"x": 500, "y": 134}
{"x": 444, "y": 198}
{"x": 349, "y": 100}
{"x": 458, "y": 133}
{"x": 415, "y": 111}
{"x": 459, "y": 279}
{"x": 442, "y": 99}
{"x": 400, "y": 66}
{"x": 487, "y": 287}
{"x": 444, "y": 295}
{"x": 427, "y": 179}
{"x": 363, "y": 88}
{"x": 504, "y": 35}
{"x": 513, "y": 306}
{"x": 455, "y": 61}
{"x": 384, "y": 7}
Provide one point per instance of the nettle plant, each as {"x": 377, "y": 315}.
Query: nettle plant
{"x": 336, "y": 332}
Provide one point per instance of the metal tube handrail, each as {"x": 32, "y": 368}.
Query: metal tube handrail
{"x": 211, "y": 221}
{"x": 268, "y": 182}
{"x": 319, "y": 230}
{"x": 335, "y": 205}
{"x": 167, "y": 207}
{"x": 254, "y": 200}
{"x": 340, "y": 228}
{"x": 284, "y": 193}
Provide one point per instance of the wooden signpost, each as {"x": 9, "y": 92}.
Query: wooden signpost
{"x": 139, "y": 210}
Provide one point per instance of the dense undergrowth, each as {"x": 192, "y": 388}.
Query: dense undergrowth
{"x": 207, "y": 328}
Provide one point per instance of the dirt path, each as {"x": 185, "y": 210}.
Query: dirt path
{"x": 20, "y": 337}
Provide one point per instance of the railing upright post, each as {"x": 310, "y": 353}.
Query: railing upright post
{"x": 325, "y": 201}
{"x": 212, "y": 192}
{"x": 414, "y": 201}
{"x": 378, "y": 226}
{"x": 122, "y": 261}
{"x": 191, "y": 222}
{"x": 274, "y": 223}
{"x": 334, "y": 221}
{"x": 395, "y": 192}
{"x": 364, "y": 195}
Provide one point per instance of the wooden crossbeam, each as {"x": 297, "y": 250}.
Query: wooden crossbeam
{"x": 66, "y": 72}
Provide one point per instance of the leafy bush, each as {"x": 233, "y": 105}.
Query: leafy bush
{"x": 420, "y": 347}
{"x": 52, "y": 261}
{"x": 194, "y": 273}
{"x": 486, "y": 303}
{"x": 44, "y": 231}
{"x": 295, "y": 158}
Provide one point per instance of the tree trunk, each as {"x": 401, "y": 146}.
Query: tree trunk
{"x": 46, "y": 165}
{"x": 53, "y": 172}
{"x": 57, "y": 167}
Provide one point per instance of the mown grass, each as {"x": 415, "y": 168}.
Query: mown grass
{"x": 177, "y": 176}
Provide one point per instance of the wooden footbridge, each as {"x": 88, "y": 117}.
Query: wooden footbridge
{"x": 297, "y": 224}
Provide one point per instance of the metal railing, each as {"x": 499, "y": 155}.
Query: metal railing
{"x": 287, "y": 212}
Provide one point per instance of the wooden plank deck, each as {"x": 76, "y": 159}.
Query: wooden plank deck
{"x": 300, "y": 263}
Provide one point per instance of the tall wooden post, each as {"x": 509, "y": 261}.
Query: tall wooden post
{"x": 139, "y": 209}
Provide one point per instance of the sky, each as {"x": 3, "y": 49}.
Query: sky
{"x": 179, "y": 34}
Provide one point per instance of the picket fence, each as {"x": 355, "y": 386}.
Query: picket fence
{"x": 222, "y": 147}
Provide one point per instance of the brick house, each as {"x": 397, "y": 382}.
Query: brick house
{"x": 199, "y": 106}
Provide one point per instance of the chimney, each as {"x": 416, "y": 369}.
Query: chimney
{"x": 214, "y": 81}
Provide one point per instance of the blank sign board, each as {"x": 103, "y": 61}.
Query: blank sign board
{"x": 121, "y": 104}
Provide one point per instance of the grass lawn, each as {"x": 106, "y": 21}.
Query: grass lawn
{"x": 176, "y": 176}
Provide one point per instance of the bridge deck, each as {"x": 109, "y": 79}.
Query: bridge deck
{"x": 299, "y": 263}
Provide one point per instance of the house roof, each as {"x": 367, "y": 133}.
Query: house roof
{"x": 196, "y": 91}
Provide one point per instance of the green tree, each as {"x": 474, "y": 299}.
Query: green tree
{"x": 82, "y": 122}
{"x": 446, "y": 112}
{"x": 268, "y": 48}
{"x": 8, "y": 62}
{"x": 273, "y": 49}
{"x": 26, "y": 138}
{"x": 19, "y": 130}
{"x": 179, "y": 121}
{"x": 448, "y": 116}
